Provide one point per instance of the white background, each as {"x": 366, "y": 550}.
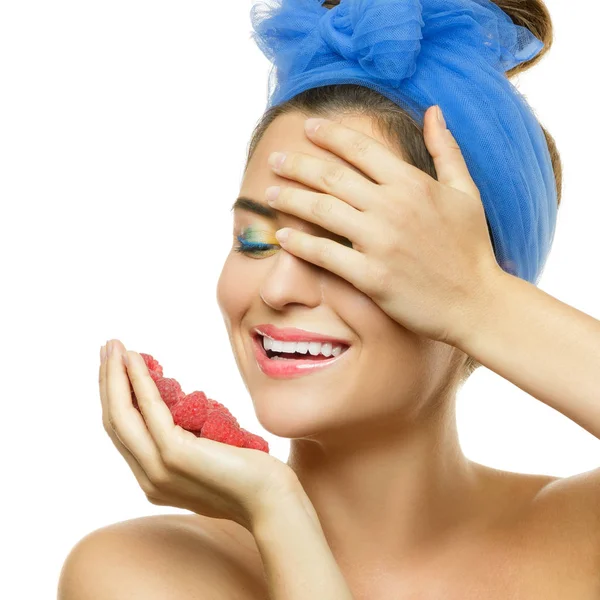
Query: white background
{"x": 123, "y": 133}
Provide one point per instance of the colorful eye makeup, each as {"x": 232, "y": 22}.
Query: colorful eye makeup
{"x": 256, "y": 241}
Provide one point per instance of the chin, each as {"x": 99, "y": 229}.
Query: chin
{"x": 290, "y": 417}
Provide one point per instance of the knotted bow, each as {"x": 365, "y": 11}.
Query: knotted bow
{"x": 383, "y": 37}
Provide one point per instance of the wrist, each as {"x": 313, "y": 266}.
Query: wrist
{"x": 298, "y": 562}
{"x": 484, "y": 302}
{"x": 288, "y": 500}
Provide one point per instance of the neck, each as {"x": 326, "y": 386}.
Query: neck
{"x": 386, "y": 492}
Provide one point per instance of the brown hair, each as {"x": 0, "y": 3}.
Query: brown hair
{"x": 395, "y": 125}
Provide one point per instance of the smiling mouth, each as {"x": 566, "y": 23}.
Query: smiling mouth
{"x": 276, "y": 355}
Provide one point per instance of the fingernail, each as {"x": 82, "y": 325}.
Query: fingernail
{"x": 276, "y": 159}
{"x": 311, "y": 125}
{"x": 440, "y": 116}
{"x": 109, "y": 348}
{"x": 271, "y": 193}
{"x": 282, "y": 235}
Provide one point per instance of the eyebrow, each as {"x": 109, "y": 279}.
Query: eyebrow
{"x": 243, "y": 203}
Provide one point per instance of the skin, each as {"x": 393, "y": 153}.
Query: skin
{"x": 374, "y": 439}
{"x": 404, "y": 512}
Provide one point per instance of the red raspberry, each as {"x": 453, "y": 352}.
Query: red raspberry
{"x": 152, "y": 364}
{"x": 255, "y": 442}
{"x": 214, "y": 405}
{"x": 191, "y": 411}
{"x": 156, "y": 375}
{"x": 203, "y": 416}
{"x": 218, "y": 427}
{"x": 170, "y": 390}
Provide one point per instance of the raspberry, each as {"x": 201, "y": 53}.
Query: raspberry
{"x": 204, "y": 417}
{"x": 156, "y": 372}
{"x": 255, "y": 442}
{"x": 191, "y": 411}
{"x": 152, "y": 364}
{"x": 218, "y": 427}
{"x": 170, "y": 390}
{"x": 214, "y": 405}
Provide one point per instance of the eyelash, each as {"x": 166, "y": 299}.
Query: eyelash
{"x": 245, "y": 248}
{"x": 249, "y": 247}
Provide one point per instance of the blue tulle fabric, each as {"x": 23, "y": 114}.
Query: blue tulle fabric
{"x": 422, "y": 52}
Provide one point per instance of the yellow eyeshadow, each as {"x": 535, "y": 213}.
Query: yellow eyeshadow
{"x": 259, "y": 236}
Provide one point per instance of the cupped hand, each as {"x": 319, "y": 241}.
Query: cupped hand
{"x": 421, "y": 249}
{"x": 173, "y": 466}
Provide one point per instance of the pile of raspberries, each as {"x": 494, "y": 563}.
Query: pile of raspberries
{"x": 204, "y": 417}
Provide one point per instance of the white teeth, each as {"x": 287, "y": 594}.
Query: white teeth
{"x": 302, "y": 347}
{"x": 288, "y": 346}
{"x": 314, "y": 348}
{"x": 326, "y": 349}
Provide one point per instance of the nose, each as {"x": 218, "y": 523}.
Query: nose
{"x": 292, "y": 280}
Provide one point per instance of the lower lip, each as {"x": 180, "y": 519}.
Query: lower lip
{"x": 282, "y": 369}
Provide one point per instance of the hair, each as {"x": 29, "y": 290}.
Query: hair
{"x": 395, "y": 124}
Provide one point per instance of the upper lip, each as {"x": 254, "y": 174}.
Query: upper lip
{"x": 292, "y": 334}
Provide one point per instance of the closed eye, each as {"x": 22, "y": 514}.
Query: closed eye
{"x": 251, "y": 247}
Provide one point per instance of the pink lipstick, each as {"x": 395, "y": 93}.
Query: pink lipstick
{"x": 283, "y": 368}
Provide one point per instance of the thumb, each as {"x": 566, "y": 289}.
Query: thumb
{"x": 450, "y": 164}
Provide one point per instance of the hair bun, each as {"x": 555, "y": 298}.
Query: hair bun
{"x": 531, "y": 14}
{"x": 534, "y": 15}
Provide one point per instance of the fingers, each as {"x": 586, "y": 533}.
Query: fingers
{"x": 347, "y": 263}
{"x": 126, "y": 430}
{"x": 156, "y": 414}
{"x": 366, "y": 153}
{"x": 448, "y": 158}
{"x": 331, "y": 177}
{"x": 328, "y": 212}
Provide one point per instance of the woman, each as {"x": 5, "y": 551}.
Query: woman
{"x": 397, "y": 257}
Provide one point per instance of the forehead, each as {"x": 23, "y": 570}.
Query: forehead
{"x": 286, "y": 134}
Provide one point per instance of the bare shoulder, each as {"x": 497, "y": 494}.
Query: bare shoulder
{"x": 554, "y": 513}
{"x": 163, "y": 556}
{"x": 572, "y": 505}
{"x": 580, "y": 492}
{"x": 546, "y": 528}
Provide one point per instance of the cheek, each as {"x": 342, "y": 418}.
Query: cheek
{"x": 234, "y": 289}
{"x": 395, "y": 350}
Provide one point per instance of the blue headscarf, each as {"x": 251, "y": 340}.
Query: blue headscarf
{"x": 422, "y": 52}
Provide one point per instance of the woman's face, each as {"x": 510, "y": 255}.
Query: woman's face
{"x": 388, "y": 374}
